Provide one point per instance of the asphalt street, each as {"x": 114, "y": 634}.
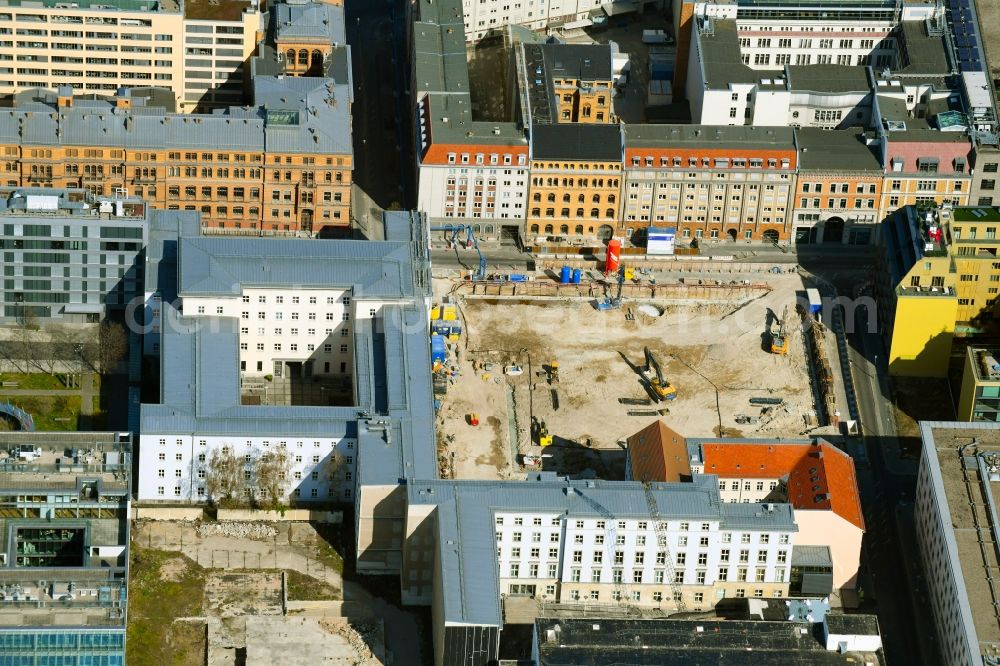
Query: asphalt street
{"x": 892, "y": 574}
{"x": 380, "y": 111}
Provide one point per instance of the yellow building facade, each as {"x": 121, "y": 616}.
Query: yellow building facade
{"x": 979, "y": 398}
{"x": 950, "y": 289}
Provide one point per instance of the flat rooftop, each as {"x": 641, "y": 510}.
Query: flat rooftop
{"x": 986, "y": 363}
{"x": 67, "y": 461}
{"x": 960, "y": 466}
{"x": 823, "y": 149}
{"x": 666, "y": 642}
{"x": 215, "y": 10}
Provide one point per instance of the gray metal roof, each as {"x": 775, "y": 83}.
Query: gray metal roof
{"x": 465, "y": 523}
{"x": 451, "y": 122}
{"x": 828, "y": 79}
{"x": 319, "y": 22}
{"x": 323, "y": 123}
{"x": 811, "y": 556}
{"x": 923, "y": 54}
{"x": 721, "y": 63}
{"x": 835, "y": 150}
{"x": 576, "y": 141}
{"x": 200, "y": 354}
{"x": 224, "y": 265}
{"x": 687, "y": 136}
{"x": 165, "y": 227}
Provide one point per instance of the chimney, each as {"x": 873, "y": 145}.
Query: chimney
{"x": 64, "y": 97}
{"x": 123, "y": 99}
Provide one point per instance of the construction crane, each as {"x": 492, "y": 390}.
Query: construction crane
{"x": 663, "y": 543}
{"x": 470, "y": 241}
{"x": 779, "y": 338}
{"x": 661, "y": 387}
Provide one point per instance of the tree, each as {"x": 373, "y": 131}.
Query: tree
{"x": 224, "y": 478}
{"x": 273, "y": 470}
{"x": 112, "y": 346}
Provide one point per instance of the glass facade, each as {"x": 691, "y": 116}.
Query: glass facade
{"x": 62, "y": 647}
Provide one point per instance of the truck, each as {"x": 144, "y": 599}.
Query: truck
{"x": 815, "y": 302}
{"x": 438, "y": 351}
{"x": 656, "y": 37}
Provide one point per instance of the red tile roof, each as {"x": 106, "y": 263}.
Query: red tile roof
{"x": 657, "y": 453}
{"x": 819, "y": 476}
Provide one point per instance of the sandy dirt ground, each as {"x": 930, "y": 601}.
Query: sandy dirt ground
{"x": 712, "y": 352}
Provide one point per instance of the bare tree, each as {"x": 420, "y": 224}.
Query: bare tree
{"x": 111, "y": 347}
{"x": 224, "y": 478}
{"x": 273, "y": 470}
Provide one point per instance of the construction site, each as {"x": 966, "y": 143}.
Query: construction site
{"x": 551, "y": 372}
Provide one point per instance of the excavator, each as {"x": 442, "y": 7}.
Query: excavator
{"x": 779, "y": 338}
{"x": 663, "y": 389}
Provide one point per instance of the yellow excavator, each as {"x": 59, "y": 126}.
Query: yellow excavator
{"x": 779, "y": 337}
{"x": 654, "y": 377}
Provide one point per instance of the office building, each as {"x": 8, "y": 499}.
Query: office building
{"x": 315, "y": 350}
{"x": 669, "y": 546}
{"x": 565, "y": 83}
{"x": 282, "y": 166}
{"x": 939, "y": 279}
{"x": 64, "y": 560}
{"x": 816, "y": 478}
{"x": 839, "y": 187}
{"x": 576, "y": 179}
{"x": 70, "y": 256}
{"x": 710, "y": 183}
{"x": 195, "y": 49}
{"x": 979, "y": 398}
{"x": 956, "y": 526}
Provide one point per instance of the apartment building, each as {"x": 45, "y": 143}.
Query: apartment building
{"x": 576, "y": 179}
{"x": 915, "y": 289}
{"x": 316, "y": 350}
{"x": 470, "y": 543}
{"x": 64, "y": 561}
{"x": 955, "y": 511}
{"x": 188, "y": 48}
{"x": 471, "y": 172}
{"x": 70, "y": 256}
{"x": 838, "y": 191}
{"x": 710, "y": 183}
{"x": 565, "y": 83}
{"x": 939, "y": 279}
{"x": 979, "y": 397}
{"x": 928, "y": 162}
{"x": 816, "y": 478}
{"x": 281, "y": 166}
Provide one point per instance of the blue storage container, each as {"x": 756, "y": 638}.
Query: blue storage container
{"x": 565, "y": 275}
{"x": 577, "y": 274}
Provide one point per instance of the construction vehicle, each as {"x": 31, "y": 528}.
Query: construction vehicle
{"x": 653, "y": 373}
{"x": 470, "y": 241}
{"x": 552, "y": 372}
{"x": 613, "y": 303}
{"x": 779, "y": 337}
{"x": 540, "y": 432}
